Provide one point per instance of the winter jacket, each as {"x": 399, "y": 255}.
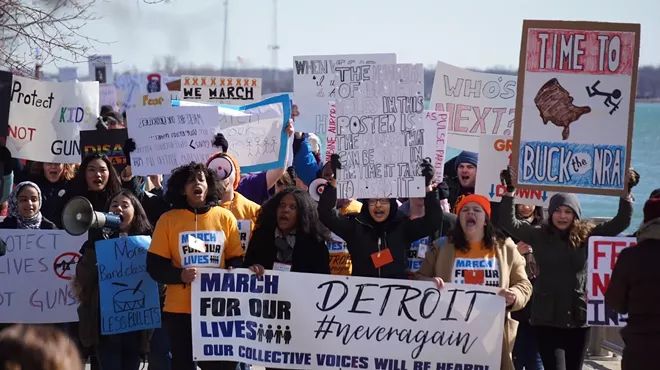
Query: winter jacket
{"x": 54, "y": 197}
{"x": 11, "y": 223}
{"x": 560, "y": 298}
{"x": 310, "y": 254}
{"x": 364, "y": 237}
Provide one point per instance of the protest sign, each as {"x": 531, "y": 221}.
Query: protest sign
{"x": 315, "y": 85}
{"x": 478, "y": 104}
{"x": 68, "y": 74}
{"x": 107, "y": 96}
{"x": 169, "y": 137}
{"x": 342, "y": 322}
{"x": 100, "y": 68}
{"x": 159, "y": 99}
{"x": 380, "y": 134}
{"x": 5, "y": 99}
{"x": 129, "y": 299}
{"x": 602, "y": 254}
{"x": 244, "y": 231}
{"x": 221, "y": 90}
{"x": 107, "y": 142}
{"x": 256, "y": 132}
{"x": 576, "y": 92}
{"x": 36, "y": 274}
{"x": 494, "y": 156}
{"x": 331, "y": 135}
{"x": 45, "y": 119}
{"x": 435, "y": 140}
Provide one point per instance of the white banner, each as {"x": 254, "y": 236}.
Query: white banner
{"x": 108, "y": 96}
{"x": 309, "y": 321}
{"x": 221, "y": 89}
{"x": 45, "y": 119}
{"x": 35, "y": 276}
{"x": 169, "y": 137}
{"x": 495, "y": 156}
{"x": 603, "y": 253}
{"x": 478, "y": 104}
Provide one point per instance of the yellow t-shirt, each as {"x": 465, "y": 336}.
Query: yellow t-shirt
{"x": 246, "y": 212}
{"x": 179, "y": 237}
{"x": 340, "y": 259}
{"x": 477, "y": 266}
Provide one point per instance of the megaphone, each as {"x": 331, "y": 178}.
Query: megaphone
{"x": 78, "y": 216}
{"x": 222, "y": 165}
{"x": 316, "y": 188}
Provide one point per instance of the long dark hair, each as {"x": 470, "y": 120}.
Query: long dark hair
{"x": 140, "y": 224}
{"x": 308, "y": 217}
{"x": 80, "y": 180}
{"x": 537, "y": 215}
{"x": 492, "y": 236}
{"x": 181, "y": 175}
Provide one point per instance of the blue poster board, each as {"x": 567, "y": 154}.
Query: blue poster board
{"x": 128, "y": 295}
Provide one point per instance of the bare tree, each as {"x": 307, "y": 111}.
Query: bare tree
{"x": 46, "y": 31}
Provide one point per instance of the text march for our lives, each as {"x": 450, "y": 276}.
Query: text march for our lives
{"x": 603, "y": 253}
{"x": 45, "y": 118}
{"x": 128, "y": 296}
{"x": 576, "y": 95}
{"x": 36, "y": 273}
{"x": 309, "y": 321}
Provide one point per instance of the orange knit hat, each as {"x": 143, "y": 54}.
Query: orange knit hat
{"x": 474, "y": 198}
{"x": 237, "y": 168}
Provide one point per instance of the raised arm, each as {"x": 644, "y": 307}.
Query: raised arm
{"x": 330, "y": 216}
{"x": 508, "y": 221}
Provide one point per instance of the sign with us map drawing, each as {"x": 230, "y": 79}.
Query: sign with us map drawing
{"x": 576, "y": 94}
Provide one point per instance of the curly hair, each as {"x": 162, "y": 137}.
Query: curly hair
{"x": 80, "y": 180}
{"x": 140, "y": 224}
{"x": 492, "y": 236}
{"x": 578, "y": 234}
{"x": 180, "y": 175}
{"x": 308, "y": 216}
{"x": 68, "y": 173}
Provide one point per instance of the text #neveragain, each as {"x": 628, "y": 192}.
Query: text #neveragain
{"x": 380, "y": 133}
{"x": 477, "y": 103}
{"x": 603, "y": 254}
{"x": 40, "y": 265}
{"x": 347, "y": 323}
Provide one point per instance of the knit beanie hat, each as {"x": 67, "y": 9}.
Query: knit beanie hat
{"x": 237, "y": 168}
{"x": 467, "y": 157}
{"x": 474, "y": 198}
{"x": 651, "y": 209}
{"x": 565, "y": 199}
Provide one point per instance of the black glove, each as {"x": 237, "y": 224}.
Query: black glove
{"x": 634, "y": 179}
{"x": 5, "y": 158}
{"x": 219, "y": 141}
{"x": 335, "y": 164}
{"x": 129, "y": 146}
{"x": 443, "y": 191}
{"x": 428, "y": 171}
{"x": 297, "y": 142}
{"x": 506, "y": 179}
{"x": 100, "y": 124}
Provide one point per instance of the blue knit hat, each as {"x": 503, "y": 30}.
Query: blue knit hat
{"x": 467, "y": 157}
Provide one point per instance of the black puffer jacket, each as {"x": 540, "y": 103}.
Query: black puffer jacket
{"x": 365, "y": 237}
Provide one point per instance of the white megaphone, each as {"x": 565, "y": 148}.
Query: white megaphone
{"x": 316, "y": 188}
{"x": 78, "y": 216}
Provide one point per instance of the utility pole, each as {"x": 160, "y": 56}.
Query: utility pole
{"x": 274, "y": 47}
{"x": 224, "y": 37}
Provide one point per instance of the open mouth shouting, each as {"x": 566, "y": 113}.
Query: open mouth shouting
{"x": 470, "y": 221}
{"x": 198, "y": 192}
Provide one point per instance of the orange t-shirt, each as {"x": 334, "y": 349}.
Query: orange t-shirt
{"x": 477, "y": 266}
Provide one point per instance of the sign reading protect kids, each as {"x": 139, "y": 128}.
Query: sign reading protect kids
{"x": 576, "y": 89}
{"x": 359, "y": 323}
{"x": 129, "y": 299}
{"x": 45, "y": 119}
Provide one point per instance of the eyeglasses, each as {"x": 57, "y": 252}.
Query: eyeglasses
{"x": 383, "y": 201}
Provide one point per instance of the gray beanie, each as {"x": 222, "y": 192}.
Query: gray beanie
{"x": 565, "y": 199}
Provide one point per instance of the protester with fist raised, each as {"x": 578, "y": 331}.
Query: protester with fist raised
{"x": 559, "y": 305}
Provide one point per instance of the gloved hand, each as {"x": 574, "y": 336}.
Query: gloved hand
{"x": 129, "y": 146}
{"x": 219, "y": 141}
{"x": 507, "y": 180}
{"x": 634, "y": 178}
{"x": 335, "y": 164}
{"x": 428, "y": 171}
{"x": 443, "y": 191}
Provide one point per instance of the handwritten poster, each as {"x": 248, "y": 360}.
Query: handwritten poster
{"x": 494, "y": 156}
{"x": 380, "y": 133}
{"x": 315, "y": 85}
{"x": 478, "y": 104}
{"x": 40, "y": 265}
{"x": 45, "y": 119}
{"x": 107, "y": 142}
{"x": 168, "y": 137}
{"x": 108, "y": 96}
{"x": 129, "y": 298}
{"x": 220, "y": 89}
{"x": 159, "y": 99}
{"x": 256, "y": 132}
{"x": 359, "y": 322}
{"x": 577, "y": 86}
{"x": 100, "y": 68}
{"x": 603, "y": 254}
